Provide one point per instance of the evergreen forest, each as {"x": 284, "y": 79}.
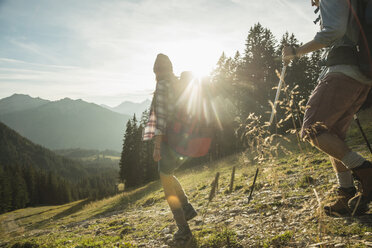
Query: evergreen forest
{"x": 31, "y": 175}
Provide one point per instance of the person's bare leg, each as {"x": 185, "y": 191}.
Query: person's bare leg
{"x": 337, "y": 165}
{"x": 179, "y": 191}
{"x": 188, "y": 209}
{"x": 332, "y": 145}
{"x": 337, "y": 148}
{"x": 169, "y": 191}
{"x": 176, "y": 207}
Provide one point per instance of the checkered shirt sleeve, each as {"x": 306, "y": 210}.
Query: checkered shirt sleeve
{"x": 157, "y": 122}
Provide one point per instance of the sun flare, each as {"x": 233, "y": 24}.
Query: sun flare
{"x": 197, "y": 56}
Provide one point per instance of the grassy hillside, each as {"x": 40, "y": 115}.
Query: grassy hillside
{"x": 283, "y": 211}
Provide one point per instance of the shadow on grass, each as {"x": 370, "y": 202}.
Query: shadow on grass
{"x": 127, "y": 198}
{"x": 69, "y": 211}
{"x": 38, "y": 213}
{"x": 73, "y": 209}
{"x": 130, "y": 197}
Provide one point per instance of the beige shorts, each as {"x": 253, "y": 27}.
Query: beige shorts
{"x": 332, "y": 105}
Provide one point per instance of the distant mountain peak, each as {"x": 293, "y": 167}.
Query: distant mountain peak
{"x": 72, "y": 101}
{"x": 66, "y": 99}
{"x": 18, "y": 95}
{"x": 20, "y": 102}
{"x": 67, "y": 123}
{"x": 22, "y": 96}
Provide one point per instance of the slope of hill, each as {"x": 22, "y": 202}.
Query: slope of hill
{"x": 31, "y": 175}
{"x": 130, "y": 108}
{"x": 283, "y": 211}
{"x": 16, "y": 150}
{"x": 69, "y": 124}
{"x": 19, "y": 102}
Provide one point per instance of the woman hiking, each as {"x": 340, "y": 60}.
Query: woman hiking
{"x": 162, "y": 108}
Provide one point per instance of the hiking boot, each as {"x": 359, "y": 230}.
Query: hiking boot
{"x": 189, "y": 211}
{"x": 183, "y": 233}
{"x": 363, "y": 174}
{"x": 340, "y": 203}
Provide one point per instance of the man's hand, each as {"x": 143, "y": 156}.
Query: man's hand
{"x": 157, "y": 143}
{"x": 288, "y": 54}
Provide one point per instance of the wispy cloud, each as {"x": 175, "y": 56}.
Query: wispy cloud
{"x": 10, "y": 62}
{"x": 34, "y": 49}
{"x": 105, "y": 49}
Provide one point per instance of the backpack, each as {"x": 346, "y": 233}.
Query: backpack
{"x": 365, "y": 44}
{"x": 188, "y": 132}
{"x": 365, "y": 39}
{"x": 361, "y": 55}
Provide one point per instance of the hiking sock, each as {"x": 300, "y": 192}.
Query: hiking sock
{"x": 179, "y": 217}
{"x": 352, "y": 160}
{"x": 345, "y": 179}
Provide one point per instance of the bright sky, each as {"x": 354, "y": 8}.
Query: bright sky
{"x": 103, "y": 51}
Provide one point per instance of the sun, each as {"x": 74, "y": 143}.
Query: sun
{"x": 199, "y": 66}
{"x": 199, "y": 56}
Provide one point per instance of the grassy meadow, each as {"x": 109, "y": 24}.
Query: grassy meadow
{"x": 284, "y": 210}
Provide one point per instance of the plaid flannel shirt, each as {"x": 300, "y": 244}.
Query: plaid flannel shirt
{"x": 160, "y": 110}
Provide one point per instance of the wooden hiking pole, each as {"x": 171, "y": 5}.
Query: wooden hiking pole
{"x": 281, "y": 84}
{"x": 281, "y": 81}
{"x": 362, "y": 132}
{"x": 273, "y": 111}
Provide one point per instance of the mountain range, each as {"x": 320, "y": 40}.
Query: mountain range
{"x": 130, "y": 108}
{"x": 65, "y": 123}
{"x": 19, "y": 102}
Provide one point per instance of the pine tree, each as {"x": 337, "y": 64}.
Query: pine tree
{"x": 124, "y": 160}
{"x": 147, "y": 148}
{"x": 258, "y": 75}
{"x": 137, "y": 177}
{"x": 131, "y": 169}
